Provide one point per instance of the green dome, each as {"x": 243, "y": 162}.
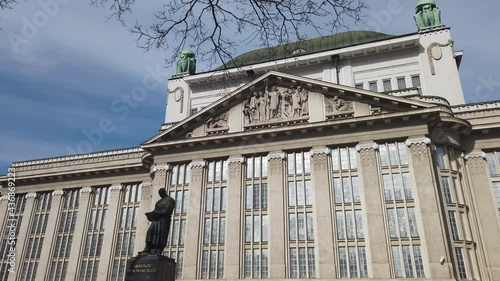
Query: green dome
{"x": 332, "y": 42}
{"x": 426, "y": 2}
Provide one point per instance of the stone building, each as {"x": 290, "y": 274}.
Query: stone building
{"x": 347, "y": 156}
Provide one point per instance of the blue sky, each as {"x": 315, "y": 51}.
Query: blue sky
{"x": 71, "y": 78}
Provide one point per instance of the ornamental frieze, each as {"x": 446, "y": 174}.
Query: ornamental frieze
{"x": 336, "y": 106}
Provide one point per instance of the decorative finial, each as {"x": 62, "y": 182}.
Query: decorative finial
{"x": 427, "y": 15}
{"x": 186, "y": 63}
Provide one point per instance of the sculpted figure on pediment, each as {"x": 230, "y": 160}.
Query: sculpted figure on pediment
{"x": 337, "y": 105}
{"x": 276, "y": 103}
{"x": 219, "y": 122}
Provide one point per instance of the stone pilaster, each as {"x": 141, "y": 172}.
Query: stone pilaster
{"x": 142, "y": 221}
{"x": 23, "y": 236}
{"x": 485, "y": 212}
{"x": 112, "y": 225}
{"x": 276, "y": 208}
{"x": 193, "y": 228}
{"x": 4, "y": 209}
{"x": 233, "y": 218}
{"x": 373, "y": 210}
{"x": 50, "y": 234}
{"x": 323, "y": 213}
{"x": 79, "y": 234}
{"x": 427, "y": 201}
{"x": 159, "y": 180}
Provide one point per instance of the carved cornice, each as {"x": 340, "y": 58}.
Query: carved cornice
{"x": 86, "y": 190}
{"x": 58, "y": 192}
{"x": 476, "y": 155}
{"x": 276, "y": 155}
{"x": 32, "y": 195}
{"x": 121, "y": 154}
{"x": 415, "y": 141}
{"x": 323, "y": 150}
{"x": 366, "y": 146}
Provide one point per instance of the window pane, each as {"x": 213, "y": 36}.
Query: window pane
{"x": 407, "y": 186}
{"x": 461, "y": 262}
{"x": 373, "y": 86}
{"x": 355, "y": 190}
{"x": 403, "y": 158}
{"x": 208, "y": 204}
{"x": 340, "y": 225}
{"x": 263, "y": 196}
{"x": 249, "y": 197}
{"x": 291, "y": 163}
{"x": 347, "y": 190}
{"x": 293, "y": 227}
{"x": 337, "y": 190}
{"x": 248, "y": 228}
{"x": 391, "y": 217}
{"x": 300, "y": 193}
{"x": 353, "y": 158}
{"x": 210, "y": 171}
{"x": 398, "y": 186}
{"x": 256, "y": 229}
{"x": 264, "y": 228}
{"x": 291, "y": 194}
{"x": 307, "y": 163}
{"x": 396, "y": 259}
{"x": 415, "y": 81}
{"x": 298, "y": 163}
{"x": 335, "y": 159}
{"x": 419, "y": 264}
{"x": 302, "y": 262}
{"x": 222, "y": 230}
{"x": 257, "y": 168}
{"x": 301, "y": 224}
{"x": 388, "y": 192}
{"x": 265, "y": 266}
{"x": 250, "y": 168}
{"x": 264, "y": 166}
{"x": 248, "y": 263}
{"x": 310, "y": 226}
{"x": 412, "y": 220}
{"x": 215, "y": 230}
{"x": 401, "y": 83}
{"x": 224, "y": 199}
{"x": 293, "y": 263}
{"x": 447, "y": 190}
{"x": 363, "y": 265}
{"x": 343, "y": 262}
{"x": 256, "y": 263}
{"x": 393, "y": 154}
{"x": 387, "y": 86}
{"x": 384, "y": 160}
{"x": 353, "y": 264}
{"x": 344, "y": 159}
{"x": 359, "y": 224}
{"x": 403, "y": 229}
{"x": 408, "y": 262}
{"x": 350, "y": 224}
{"x": 454, "y": 226}
{"x": 311, "y": 259}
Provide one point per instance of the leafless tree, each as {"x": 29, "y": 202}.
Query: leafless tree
{"x": 215, "y": 29}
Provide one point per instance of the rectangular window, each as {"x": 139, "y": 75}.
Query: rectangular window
{"x": 462, "y": 270}
{"x": 298, "y": 163}
{"x": 393, "y": 154}
{"x": 454, "y": 226}
{"x": 401, "y": 83}
{"x": 441, "y": 157}
{"x": 359, "y": 86}
{"x": 415, "y": 81}
{"x": 373, "y": 86}
{"x": 387, "y": 85}
{"x": 447, "y": 190}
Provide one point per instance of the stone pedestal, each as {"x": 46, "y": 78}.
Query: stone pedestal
{"x": 150, "y": 268}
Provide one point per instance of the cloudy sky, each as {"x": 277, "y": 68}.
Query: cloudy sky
{"x": 64, "y": 80}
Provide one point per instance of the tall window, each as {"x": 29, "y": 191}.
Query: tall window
{"x": 95, "y": 233}
{"x": 448, "y": 163}
{"x": 387, "y": 85}
{"x": 256, "y": 221}
{"x": 301, "y": 234}
{"x": 64, "y": 236}
{"x": 36, "y": 235}
{"x": 348, "y": 214}
{"x": 124, "y": 246}
{"x": 493, "y": 159}
{"x": 214, "y": 221}
{"x": 17, "y": 217}
{"x": 401, "y": 212}
{"x": 178, "y": 188}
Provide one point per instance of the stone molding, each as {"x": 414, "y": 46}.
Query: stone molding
{"x": 121, "y": 154}
{"x": 58, "y": 192}
{"x": 366, "y": 146}
{"x": 415, "y": 141}
{"x": 475, "y": 155}
{"x": 236, "y": 160}
{"x": 319, "y": 151}
{"x": 199, "y": 163}
{"x": 157, "y": 168}
{"x": 31, "y": 195}
{"x": 276, "y": 155}
{"x": 4, "y": 198}
{"x": 85, "y": 190}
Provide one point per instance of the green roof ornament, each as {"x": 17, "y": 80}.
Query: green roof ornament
{"x": 186, "y": 63}
{"x": 427, "y": 15}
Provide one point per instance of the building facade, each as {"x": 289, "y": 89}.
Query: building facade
{"x": 353, "y": 157}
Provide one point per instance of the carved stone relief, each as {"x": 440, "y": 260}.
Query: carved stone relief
{"x": 338, "y": 106}
{"x": 275, "y": 103}
{"x": 434, "y": 52}
{"x": 219, "y": 122}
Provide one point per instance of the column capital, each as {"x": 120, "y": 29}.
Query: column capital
{"x": 4, "y": 198}
{"x": 58, "y": 192}
{"x": 414, "y": 141}
{"x": 276, "y": 155}
{"x": 319, "y": 150}
{"x": 476, "y": 154}
{"x": 85, "y": 190}
{"x": 156, "y": 168}
{"x": 366, "y": 146}
{"x": 236, "y": 160}
{"x": 115, "y": 187}
{"x": 31, "y": 195}
{"x": 198, "y": 163}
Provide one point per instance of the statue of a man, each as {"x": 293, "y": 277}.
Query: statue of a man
{"x": 160, "y": 218}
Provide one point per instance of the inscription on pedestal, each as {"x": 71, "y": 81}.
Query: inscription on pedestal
{"x": 150, "y": 268}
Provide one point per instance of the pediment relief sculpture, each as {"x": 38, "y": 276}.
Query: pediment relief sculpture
{"x": 338, "y": 107}
{"x": 276, "y": 103}
{"x": 218, "y": 123}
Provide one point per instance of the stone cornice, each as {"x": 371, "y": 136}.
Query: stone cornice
{"x": 58, "y": 192}
{"x": 276, "y": 155}
{"x": 78, "y": 159}
{"x": 198, "y": 163}
{"x": 479, "y": 154}
{"x": 366, "y": 146}
{"x": 319, "y": 150}
{"x": 85, "y": 190}
{"x": 31, "y": 195}
{"x": 476, "y": 107}
{"x": 422, "y": 140}
{"x": 116, "y": 187}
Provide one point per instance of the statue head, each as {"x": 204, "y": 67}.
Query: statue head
{"x": 425, "y": 5}
{"x": 186, "y": 63}
{"x": 162, "y": 192}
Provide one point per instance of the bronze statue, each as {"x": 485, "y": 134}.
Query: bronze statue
{"x": 157, "y": 234}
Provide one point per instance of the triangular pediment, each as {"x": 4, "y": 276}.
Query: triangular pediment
{"x": 277, "y": 100}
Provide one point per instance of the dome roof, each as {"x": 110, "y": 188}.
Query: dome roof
{"x": 336, "y": 41}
